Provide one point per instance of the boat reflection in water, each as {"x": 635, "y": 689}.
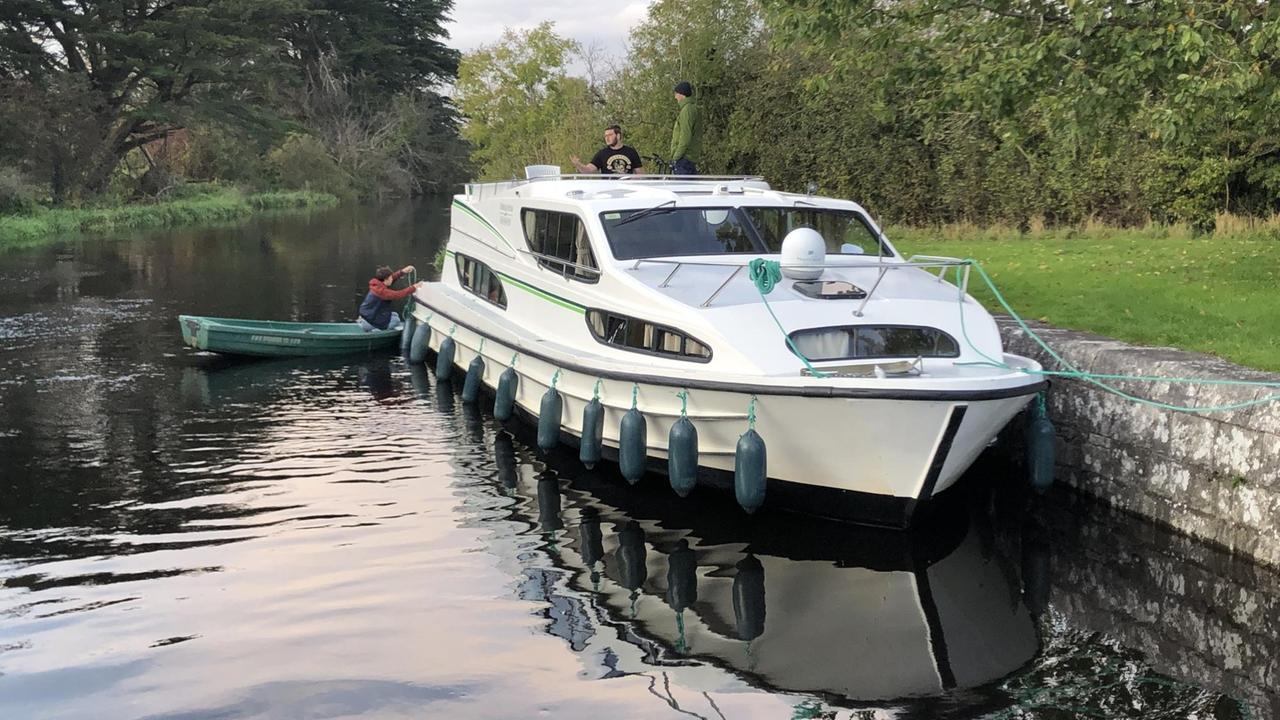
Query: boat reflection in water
{"x": 780, "y": 601}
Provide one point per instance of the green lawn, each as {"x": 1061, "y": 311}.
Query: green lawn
{"x": 1216, "y": 294}
{"x": 218, "y": 205}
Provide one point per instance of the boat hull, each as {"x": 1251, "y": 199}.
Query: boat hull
{"x": 854, "y": 456}
{"x": 262, "y": 338}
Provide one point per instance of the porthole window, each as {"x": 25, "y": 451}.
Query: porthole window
{"x": 480, "y": 280}
{"x": 628, "y": 333}
{"x": 854, "y": 342}
{"x": 559, "y": 242}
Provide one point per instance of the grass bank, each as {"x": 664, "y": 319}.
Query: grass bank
{"x": 1160, "y": 286}
{"x": 216, "y": 206}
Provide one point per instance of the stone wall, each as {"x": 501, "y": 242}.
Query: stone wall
{"x": 1214, "y": 476}
{"x": 1195, "y": 612}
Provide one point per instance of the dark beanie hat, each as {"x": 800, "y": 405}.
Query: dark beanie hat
{"x": 684, "y": 88}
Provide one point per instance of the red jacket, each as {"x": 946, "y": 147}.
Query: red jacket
{"x": 383, "y": 288}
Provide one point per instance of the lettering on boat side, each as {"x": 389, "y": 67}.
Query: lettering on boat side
{"x": 273, "y": 340}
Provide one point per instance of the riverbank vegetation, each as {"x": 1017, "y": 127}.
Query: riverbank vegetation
{"x": 931, "y": 112}
{"x": 105, "y": 102}
{"x": 200, "y": 206}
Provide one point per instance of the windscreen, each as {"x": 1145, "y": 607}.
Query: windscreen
{"x": 668, "y": 231}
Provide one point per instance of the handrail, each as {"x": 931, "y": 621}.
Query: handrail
{"x": 964, "y": 281}
{"x": 938, "y": 262}
{"x": 707, "y": 302}
{"x": 915, "y": 261}
{"x": 561, "y": 261}
{"x": 638, "y": 178}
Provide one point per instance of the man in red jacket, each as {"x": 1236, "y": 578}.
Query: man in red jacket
{"x": 375, "y": 311}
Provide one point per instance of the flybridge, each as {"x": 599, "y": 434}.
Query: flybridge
{"x": 591, "y": 186}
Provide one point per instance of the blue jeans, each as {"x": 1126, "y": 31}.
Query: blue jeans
{"x": 393, "y": 324}
{"x": 683, "y": 167}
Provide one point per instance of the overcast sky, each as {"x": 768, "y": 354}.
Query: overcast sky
{"x": 604, "y": 24}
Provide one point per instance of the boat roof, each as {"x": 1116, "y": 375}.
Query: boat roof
{"x": 645, "y": 190}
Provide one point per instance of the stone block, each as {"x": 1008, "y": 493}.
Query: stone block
{"x": 1191, "y": 437}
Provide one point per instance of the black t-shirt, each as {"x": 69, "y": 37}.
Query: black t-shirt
{"x": 622, "y": 161}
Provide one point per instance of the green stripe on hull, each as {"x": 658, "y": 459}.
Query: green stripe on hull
{"x": 554, "y": 299}
{"x": 540, "y": 294}
{"x": 480, "y": 219}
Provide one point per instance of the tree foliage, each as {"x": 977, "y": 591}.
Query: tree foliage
{"x": 1188, "y": 87}
{"x": 522, "y": 105}
{"x": 87, "y": 82}
{"x": 714, "y": 44}
{"x": 979, "y": 111}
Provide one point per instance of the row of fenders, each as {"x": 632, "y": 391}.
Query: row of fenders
{"x": 750, "y": 456}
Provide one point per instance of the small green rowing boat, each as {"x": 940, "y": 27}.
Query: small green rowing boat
{"x": 268, "y": 338}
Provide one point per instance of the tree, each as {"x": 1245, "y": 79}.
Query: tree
{"x": 714, "y": 44}
{"x": 136, "y": 65}
{"x": 521, "y": 105}
{"x": 1202, "y": 78}
{"x": 140, "y": 69}
{"x": 395, "y": 45}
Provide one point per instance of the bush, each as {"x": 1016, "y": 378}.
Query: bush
{"x": 301, "y": 163}
{"x": 18, "y": 195}
{"x": 221, "y": 154}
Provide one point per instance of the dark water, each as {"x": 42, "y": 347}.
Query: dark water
{"x": 184, "y": 537}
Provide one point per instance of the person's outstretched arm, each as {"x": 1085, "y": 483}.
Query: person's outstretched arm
{"x": 583, "y": 168}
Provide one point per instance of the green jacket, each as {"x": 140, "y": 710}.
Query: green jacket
{"x": 686, "y": 136}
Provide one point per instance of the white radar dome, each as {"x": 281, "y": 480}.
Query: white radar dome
{"x": 804, "y": 253}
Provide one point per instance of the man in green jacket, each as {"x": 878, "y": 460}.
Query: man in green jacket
{"x": 686, "y": 136}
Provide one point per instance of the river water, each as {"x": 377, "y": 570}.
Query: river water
{"x": 187, "y": 537}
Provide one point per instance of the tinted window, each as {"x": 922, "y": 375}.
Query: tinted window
{"x": 873, "y": 341}
{"x": 560, "y": 241}
{"x": 837, "y": 227}
{"x": 667, "y": 231}
{"x": 678, "y": 231}
{"x": 480, "y": 280}
{"x": 630, "y": 333}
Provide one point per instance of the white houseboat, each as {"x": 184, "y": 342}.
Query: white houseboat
{"x": 872, "y": 379}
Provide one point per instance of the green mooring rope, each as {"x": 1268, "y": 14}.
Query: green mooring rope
{"x": 1096, "y": 378}
{"x": 765, "y": 274}
{"x": 684, "y": 402}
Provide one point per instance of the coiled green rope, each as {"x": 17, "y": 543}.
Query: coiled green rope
{"x": 765, "y": 274}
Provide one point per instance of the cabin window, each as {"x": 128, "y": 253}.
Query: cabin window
{"x": 845, "y": 231}
{"x": 480, "y": 280}
{"x": 629, "y": 333}
{"x": 559, "y": 241}
{"x": 854, "y": 342}
{"x": 667, "y": 230}
{"x": 664, "y": 232}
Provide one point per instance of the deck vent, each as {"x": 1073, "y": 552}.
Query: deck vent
{"x": 537, "y": 171}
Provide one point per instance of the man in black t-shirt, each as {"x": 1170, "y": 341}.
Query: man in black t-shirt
{"x": 614, "y": 158}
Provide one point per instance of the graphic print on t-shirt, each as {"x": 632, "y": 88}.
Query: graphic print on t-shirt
{"x": 621, "y": 161}
{"x": 618, "y": 164}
